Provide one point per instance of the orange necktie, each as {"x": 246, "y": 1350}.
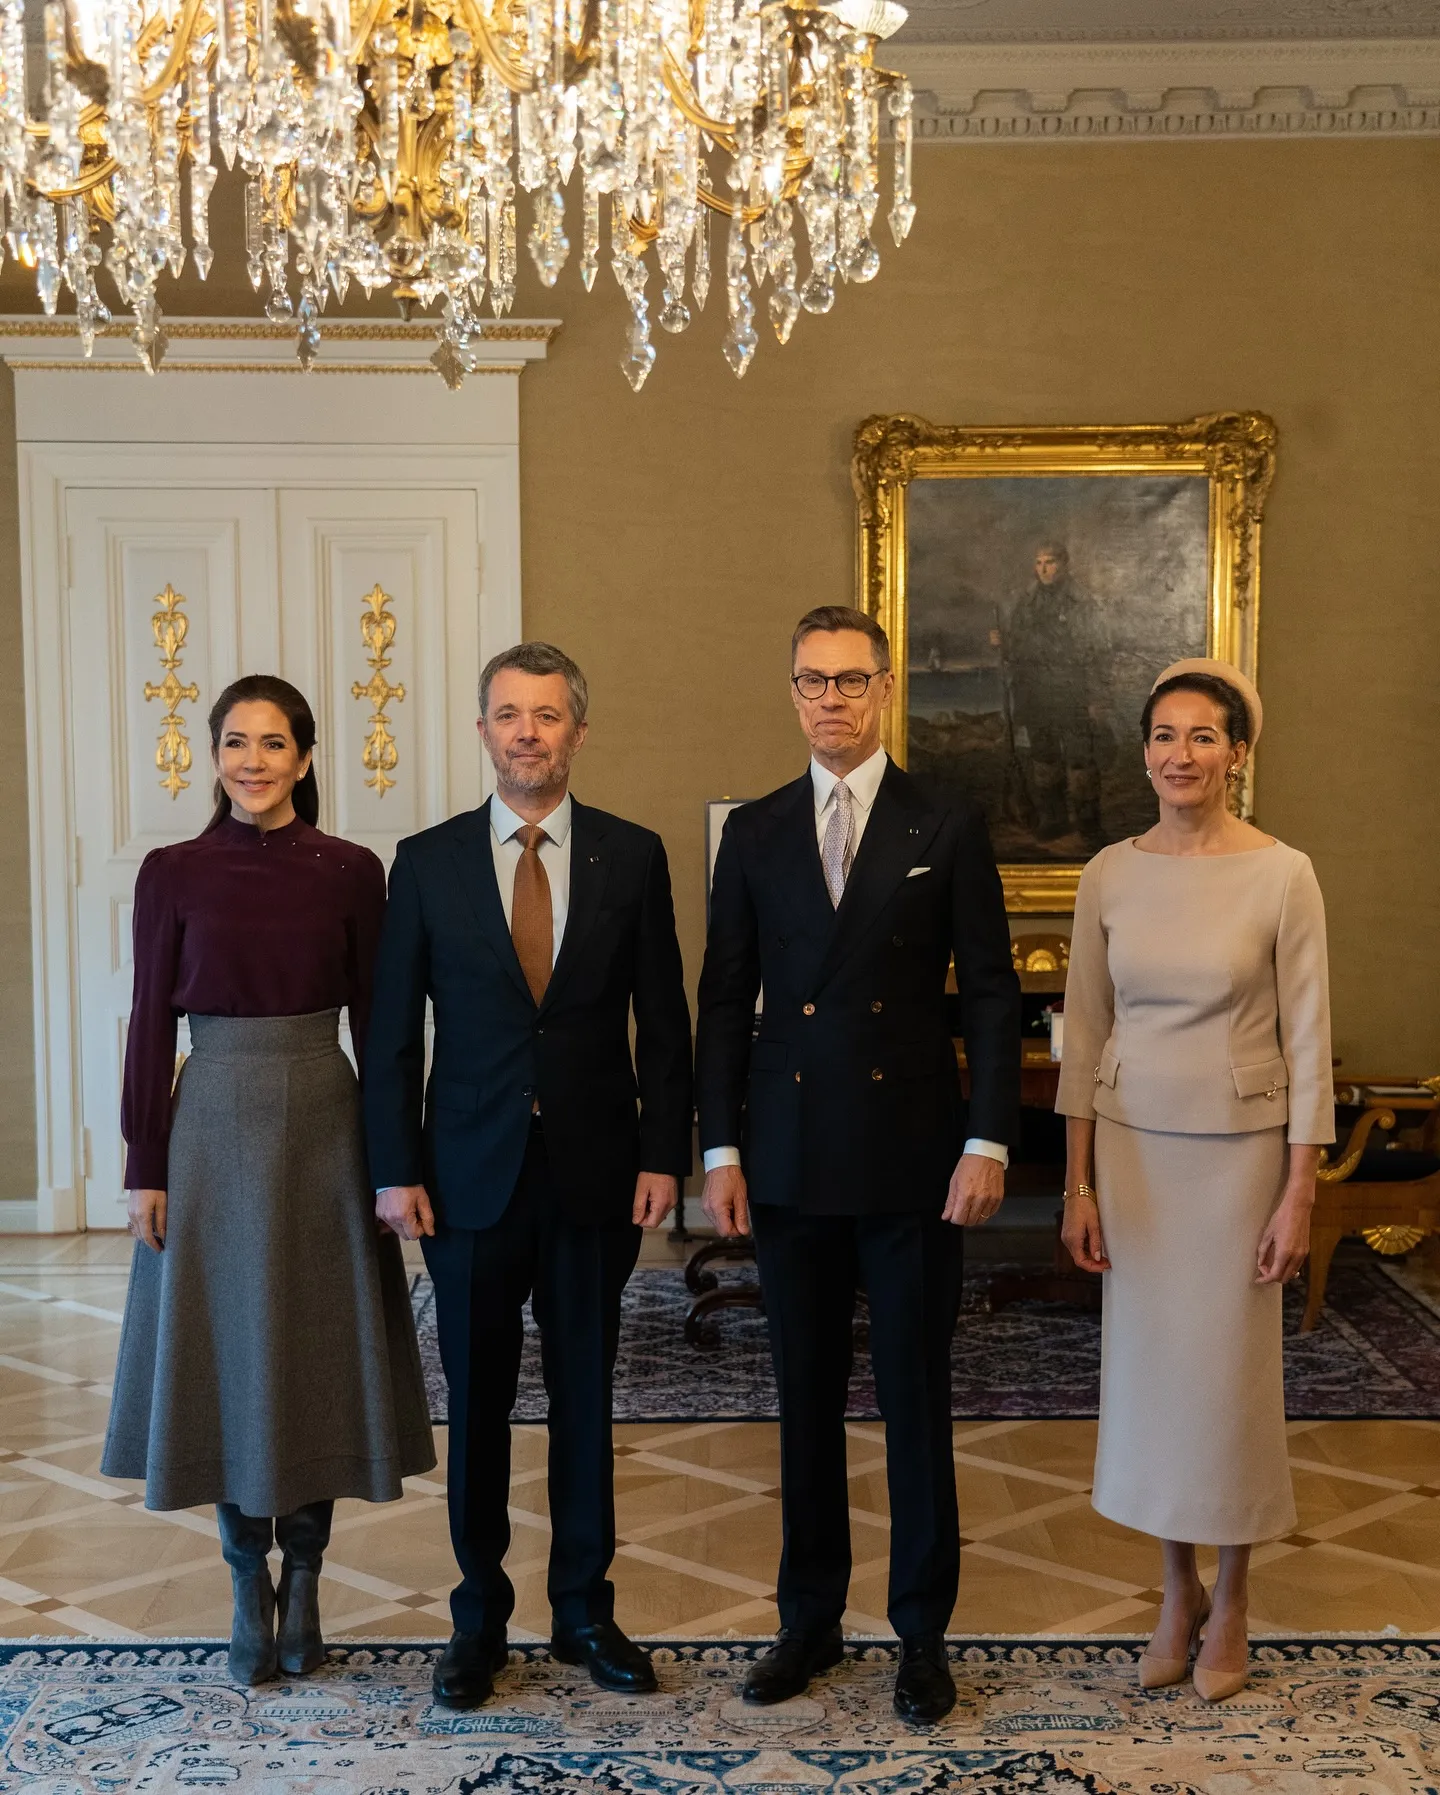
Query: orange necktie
{"x": 532, "y": 921}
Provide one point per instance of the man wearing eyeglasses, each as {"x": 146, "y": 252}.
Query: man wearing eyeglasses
{"x": 839, "y": 1134}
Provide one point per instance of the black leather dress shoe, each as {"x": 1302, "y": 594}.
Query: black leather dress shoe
{"x": 465, "y": 1675}
{"x": 924, "y": 1688}
{"x": 614, "y": 1662}
{"x": 786, "y": 1669}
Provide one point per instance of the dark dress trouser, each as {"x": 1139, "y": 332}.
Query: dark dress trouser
{"x": 574, "y": 1275}
{"x": 910, "y": 1267}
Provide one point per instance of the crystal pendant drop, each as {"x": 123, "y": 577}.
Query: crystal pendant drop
{"x": 639, "y": 356}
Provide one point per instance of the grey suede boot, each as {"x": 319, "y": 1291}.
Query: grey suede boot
{"x": 303, "y": 1537}
{"x": 245, "y": 1542}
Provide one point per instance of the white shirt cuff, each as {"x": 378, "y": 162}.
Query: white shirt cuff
{"x": 730, "y": 1156}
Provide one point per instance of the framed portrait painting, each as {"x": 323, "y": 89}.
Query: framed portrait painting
{"x": 1033, "y": 583}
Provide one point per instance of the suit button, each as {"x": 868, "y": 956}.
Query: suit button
{"x": 876, "y": 1007}
{"x": 797, "y": 1078}
{"x": 529, "y": 1091}
{"x": 1097, "y": 1075}
{"x": 899, "y": 941}
{"x": 877, "y": 1075}
{"x": 784, "y": 941}
{"x": 807, "y": 1009}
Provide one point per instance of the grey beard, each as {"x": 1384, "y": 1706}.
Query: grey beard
{"x": 533, "y": 779}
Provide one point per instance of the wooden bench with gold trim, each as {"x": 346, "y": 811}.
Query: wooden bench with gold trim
{"x": 1392, "y": 1215}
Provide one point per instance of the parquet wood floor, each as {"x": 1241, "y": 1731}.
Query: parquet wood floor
{"x": 698, "y": 1509}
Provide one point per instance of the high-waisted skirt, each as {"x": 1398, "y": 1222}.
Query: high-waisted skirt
{"x": 1192, "y": 1392}
{"x": 268, "y": 1355}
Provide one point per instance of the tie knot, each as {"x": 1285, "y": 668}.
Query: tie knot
{"x": 530, "y": 835}
{"x": 843, "y": 795}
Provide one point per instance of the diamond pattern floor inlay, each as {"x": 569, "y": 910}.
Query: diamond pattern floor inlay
{"x": 698, "y": 1511}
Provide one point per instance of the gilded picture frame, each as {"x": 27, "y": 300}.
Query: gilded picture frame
{"x": 1208, "y": 476}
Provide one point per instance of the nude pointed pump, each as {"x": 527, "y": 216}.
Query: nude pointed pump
{"x": 1218, "y": 1685}
{"x": 1160, "y": 1673}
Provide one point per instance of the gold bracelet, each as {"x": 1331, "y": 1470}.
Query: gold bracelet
{"x": 1080, "y": 1190}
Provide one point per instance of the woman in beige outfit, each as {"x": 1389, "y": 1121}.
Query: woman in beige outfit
{"x": 1197, "y": 1085}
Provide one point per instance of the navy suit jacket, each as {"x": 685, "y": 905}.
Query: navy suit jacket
{"x": 849, "y": 1098}
{"x": 606, "y": 1116}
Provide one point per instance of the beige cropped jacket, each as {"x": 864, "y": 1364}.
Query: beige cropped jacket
{"x": 1197, "y": 1000}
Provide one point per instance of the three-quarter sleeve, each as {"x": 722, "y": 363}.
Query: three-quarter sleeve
{"x": 150, "y": 1045}
{"x": 363, "y": 943}
{"x": 1089, "y": 1000}
{"x": 1302, "y": 990}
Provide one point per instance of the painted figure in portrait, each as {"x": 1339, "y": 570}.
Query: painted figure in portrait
{"x": 1035, "y": 608}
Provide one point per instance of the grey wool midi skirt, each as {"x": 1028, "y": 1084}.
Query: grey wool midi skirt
{"x": 268, "y": 1355}
{"x": 1192, "y": 1381}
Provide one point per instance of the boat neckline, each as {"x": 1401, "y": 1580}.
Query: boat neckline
{"x": 1134, "y": 842}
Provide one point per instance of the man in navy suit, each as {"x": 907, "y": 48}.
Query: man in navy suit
{"x": 839, "y": 1132}
{"x": 539, "y": 1149}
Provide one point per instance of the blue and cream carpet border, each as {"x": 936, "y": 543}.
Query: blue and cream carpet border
{"x": 1334, "y": 1716}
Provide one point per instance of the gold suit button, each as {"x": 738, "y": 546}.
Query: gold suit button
{"x": 807, "y": 1009}
{"x": 797, "y": 1078}
{"x": 877, "y": 1075}
{"x": 876, "y": 1007}
{"x": 1097, "y": 1075}
{"x": 1272, "y": 1093}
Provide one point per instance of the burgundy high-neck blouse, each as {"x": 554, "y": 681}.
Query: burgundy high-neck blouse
{"x": 241, "y": 923}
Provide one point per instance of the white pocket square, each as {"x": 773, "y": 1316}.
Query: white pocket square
{"x": 915, "y": 872}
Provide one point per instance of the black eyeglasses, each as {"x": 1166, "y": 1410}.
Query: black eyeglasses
{"x": 848, "y": 685}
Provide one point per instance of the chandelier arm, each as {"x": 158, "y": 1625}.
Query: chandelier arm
{"x": 748, "y": 214}
{"x": 684, "y": 96}
{"x": 509, "y": 71}
{"x": 88, "y": 182}
{"x": 179, "y": 50}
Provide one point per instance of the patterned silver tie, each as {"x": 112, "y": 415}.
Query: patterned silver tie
{"x": 836, "y": 852}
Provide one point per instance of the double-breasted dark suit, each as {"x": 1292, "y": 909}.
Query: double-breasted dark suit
{"x": 848, "y": 1110}
{"x": 528, "y": 1137}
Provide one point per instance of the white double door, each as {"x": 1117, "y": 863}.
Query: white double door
{"x": 268, "y": 579}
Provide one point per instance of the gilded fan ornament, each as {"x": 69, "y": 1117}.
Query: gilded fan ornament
{"x": 384, "y": 142}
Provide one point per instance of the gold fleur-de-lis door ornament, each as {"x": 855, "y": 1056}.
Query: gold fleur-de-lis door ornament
{"x": 172, "y": 753}
{"x": 381, "y": 755}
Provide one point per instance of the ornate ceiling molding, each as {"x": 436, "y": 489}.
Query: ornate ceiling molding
{"x": 1124, "y": 92}
{"x": 250, "y": 345}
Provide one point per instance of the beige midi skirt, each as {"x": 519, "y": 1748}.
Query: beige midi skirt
{"x": 1192, "y": 1395}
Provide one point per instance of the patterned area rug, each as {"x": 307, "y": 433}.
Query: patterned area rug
{"x": 1043, "y": 1717}
{"x": 1375, "y": 1354}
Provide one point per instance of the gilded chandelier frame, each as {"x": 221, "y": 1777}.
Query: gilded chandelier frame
{"x": 1233, "y": 450}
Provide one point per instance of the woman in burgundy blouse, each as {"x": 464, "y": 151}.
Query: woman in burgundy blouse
{"x": 268, "y": 1361}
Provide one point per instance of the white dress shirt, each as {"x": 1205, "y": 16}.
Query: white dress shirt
{"x": 554, "y": 857}
{"x": 864, "y": 784}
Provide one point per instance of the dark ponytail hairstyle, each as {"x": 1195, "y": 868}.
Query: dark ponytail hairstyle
{"x": 266, "y": 688}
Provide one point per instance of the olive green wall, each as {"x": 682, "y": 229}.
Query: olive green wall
{"x": 671, "y": 539}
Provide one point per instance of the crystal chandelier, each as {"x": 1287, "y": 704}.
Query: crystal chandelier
{"x": 383, "y": 142}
